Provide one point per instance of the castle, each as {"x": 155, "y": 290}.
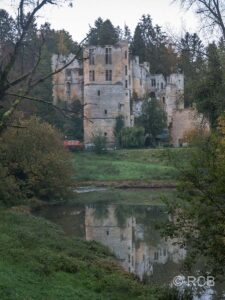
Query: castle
{"x": 109, "y": 82}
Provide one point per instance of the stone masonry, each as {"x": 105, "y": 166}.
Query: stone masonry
{"x": 110, "y": 82}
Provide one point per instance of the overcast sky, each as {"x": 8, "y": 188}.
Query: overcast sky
{"x": 77, "y": 20}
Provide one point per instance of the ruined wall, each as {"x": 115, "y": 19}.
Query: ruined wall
{"x": 106, "y": 99}
{"x": 140, "y": 77}
{"x": 174, "y": 95}
{"x": 183, "y": 121}
{"x": 68, "y": 84}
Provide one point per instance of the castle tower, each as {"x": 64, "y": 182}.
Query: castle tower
{"x": 107, "y": 90}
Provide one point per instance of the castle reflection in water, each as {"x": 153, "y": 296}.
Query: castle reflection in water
{"x": 129, "y": 232}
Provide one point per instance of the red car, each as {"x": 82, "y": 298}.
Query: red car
{"x": 73, "y": 145}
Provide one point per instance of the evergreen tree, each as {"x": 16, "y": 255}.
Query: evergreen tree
{"x": 209, "y": 89}
{"x": 104, "y": 33}
{"x": 153, "y": 118}
{"x": 151, "y": 45}
{"x": 190, "y": 62}
{"x": 138, "y": 47}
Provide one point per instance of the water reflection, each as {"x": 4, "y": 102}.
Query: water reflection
{"x": 129, "y": 232}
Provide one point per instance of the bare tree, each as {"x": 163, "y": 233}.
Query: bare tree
{"x": 15, "y": 89}
{"x": 212, "y": 12}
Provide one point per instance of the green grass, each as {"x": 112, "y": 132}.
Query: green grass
{"x": 126, "y": 196}
{"x": 143, "y": 164}
{"x": 37, "y": 261}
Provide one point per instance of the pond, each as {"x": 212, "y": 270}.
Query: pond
{"x": 129, "y": 230}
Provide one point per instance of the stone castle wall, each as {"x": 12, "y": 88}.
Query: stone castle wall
{"x": 183, "y": 121}
{"x": 104, "y": 99}
{"x": 68, "y": 84}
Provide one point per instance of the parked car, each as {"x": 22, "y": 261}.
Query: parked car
{"x": 73, "y": 145}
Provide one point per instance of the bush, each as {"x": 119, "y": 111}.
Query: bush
{"x": 132, "y": 137}
{"x": 33, "y": 163}
{"x": 118, "y": 128}
{"x": 99, "y": 141}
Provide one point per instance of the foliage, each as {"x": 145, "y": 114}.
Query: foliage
{"x": 104, "y": 33}
{"x": 152, "y": 45}
{"x": 191, "y": 62}
{"x": 153, "y": 117}
{"x": 100, "y": 143}
{"x": 39, "y": 261}
{"x": 210, "y": 87}
{"x": 118, "y": 128}
{"x": 200, "y": 211}
{"x": 192, "y": 136}
{"x": 34, "y": 163}
{"x": 132, "y": 137}
{"x": 25, "y": 63}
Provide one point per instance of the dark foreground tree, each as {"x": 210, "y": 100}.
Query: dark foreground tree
{"x": 34, "y": 164}
{"x": 22, "y": 51}
{"x": 199, "y": 212}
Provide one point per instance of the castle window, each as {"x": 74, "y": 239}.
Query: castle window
{"x": 164, "y": 100}
{"x": 156, "y": 255}
{"x": 125, "y": 54}
{"x": 68, "y": 72}
{"x": 81, "y": 72}
{"x": 129, "y": 79}
{"x": 107, "y": 232}
{"x": 99, "y": 92}
{"x": 153, "y": 82}
{"x": 126, "y": 84}
{"x": 68, "y": 89}
{"x": 108, "y": 75}
{"x": 108, "y": 56}
{"x": 140, "y": 81}
{"x": 92, "y": 75}
{"x": 91, "y": 56}
{"x": 125, "y": 70}
{"x": 162, "y": 86}
{"x": 105, "y": 133}
{"x": 106, "y": 112}
{"x": 164, "y": 252}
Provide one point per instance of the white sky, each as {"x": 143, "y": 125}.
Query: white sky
{"x": 77, "y": 20}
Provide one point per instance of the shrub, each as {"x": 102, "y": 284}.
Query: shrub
{"x": 132, "y": 137}
{"x": 99, "y": 141}
{"x": 34, "y": 163}
{"x": 118, "y": 128}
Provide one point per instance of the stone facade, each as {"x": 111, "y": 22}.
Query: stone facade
{"x": 68, "y": 84}
{"x": 107, "y": 89}
{"x": 110, "y": 82}
{"x": 128, "y": 242}
{"x": 183, "y": 121}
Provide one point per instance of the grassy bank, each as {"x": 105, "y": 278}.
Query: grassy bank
{"x": 37, "y": 261}
{"x": 126, "y": 196}
{"x": 130, "y": 165}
